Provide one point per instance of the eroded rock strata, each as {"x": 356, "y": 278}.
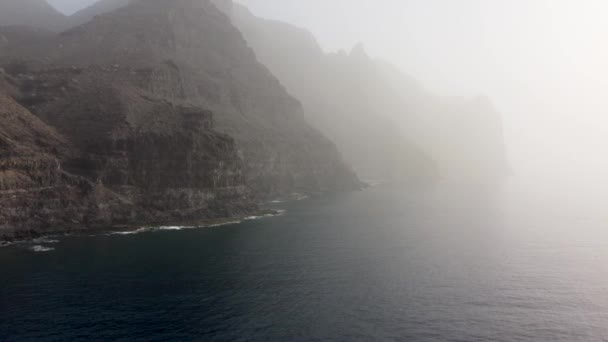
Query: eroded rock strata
{"x": 155, "y": 113}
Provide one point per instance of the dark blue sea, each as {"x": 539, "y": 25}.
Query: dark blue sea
{"x": 451, "y": 263}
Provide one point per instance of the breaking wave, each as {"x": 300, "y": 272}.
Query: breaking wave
{"x": 274, "y": 213}
{"x": 40, "y": 248}
{"x": 45, "y": 240}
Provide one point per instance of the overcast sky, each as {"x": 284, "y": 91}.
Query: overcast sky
{"x": 543, "y": 62}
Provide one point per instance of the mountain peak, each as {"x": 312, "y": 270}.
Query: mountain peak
{"x": 105, "y": 6}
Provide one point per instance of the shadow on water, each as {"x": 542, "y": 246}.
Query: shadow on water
{"x": 388, "y": 263}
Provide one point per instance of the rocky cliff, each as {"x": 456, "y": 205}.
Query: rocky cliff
{"x": 338, "y": 95}
{"x": 166, "y": 116}
{"x": 123, "y": 157}
{"x": 36, "y": 193}
{"x": 396, "y": 128}
{"x": 331, "y": 91}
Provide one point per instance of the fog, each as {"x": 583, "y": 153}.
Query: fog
{"x": 542, "y": 63}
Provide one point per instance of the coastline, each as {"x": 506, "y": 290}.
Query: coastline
{"x": 31, "y": 236}
{"x": 28, "y": 236}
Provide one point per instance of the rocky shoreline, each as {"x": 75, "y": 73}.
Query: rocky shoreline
{"x": 8, "y": 238}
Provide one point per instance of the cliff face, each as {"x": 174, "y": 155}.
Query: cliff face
{"x": 338, "y": 97}
{"x": 122, "y": 158}
{"x": 396, "y": 128}
{"x": 208, "y": 64}
{"x": 165, "y": 111}
{"x": 36, "y": 193}
{"x": 331, "y": 91}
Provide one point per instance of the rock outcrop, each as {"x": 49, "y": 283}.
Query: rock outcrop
{"x": 208, "y": 64}
{"x": 339, "y": 95}
{"x": 123, "y": 158}
{"x": 397, "y": 129}
{"x": 371, "y": 142}
{"x": 36, "y": 193}
{"x": 166, "y": 116}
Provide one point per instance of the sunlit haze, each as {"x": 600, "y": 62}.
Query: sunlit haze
{"x": 543, "y": 63}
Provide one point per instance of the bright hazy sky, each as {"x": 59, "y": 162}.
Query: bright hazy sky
{"x": 543, "y": 62}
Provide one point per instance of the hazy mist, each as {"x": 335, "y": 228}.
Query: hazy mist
{"x": 542, "y": 62}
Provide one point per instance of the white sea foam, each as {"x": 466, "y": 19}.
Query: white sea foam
{"x": 45, "y": 240}
{"x": 39, "y": 242}
{"x": 150, "y": 230}
{"x": 229, "y": 223}
{"x": 274, "y": 214}
{"x": 40, "y": 248}
{"x": 176, "y": 227}
{"x": 281, "y": 212}
{"x": 130, "y": 232}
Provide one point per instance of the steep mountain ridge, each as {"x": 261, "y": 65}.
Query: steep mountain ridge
{"x": 217, "y": 71}
{"x": 174, "y": 117}
{"x": 32, "y": 13}
{"x": 121, "y": 157}
{"x": 36, "y": 193}
{"x": 338, "y": 96}
{"x": 417, "y": 133}
{"x": 396, "y": 130}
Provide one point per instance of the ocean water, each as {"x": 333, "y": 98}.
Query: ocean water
{"x": 453, "y": 263}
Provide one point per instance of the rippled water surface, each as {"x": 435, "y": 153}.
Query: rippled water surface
{"x": 386, "y": 264}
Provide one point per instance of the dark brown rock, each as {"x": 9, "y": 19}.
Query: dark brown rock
{"x": 155, "y": 113}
